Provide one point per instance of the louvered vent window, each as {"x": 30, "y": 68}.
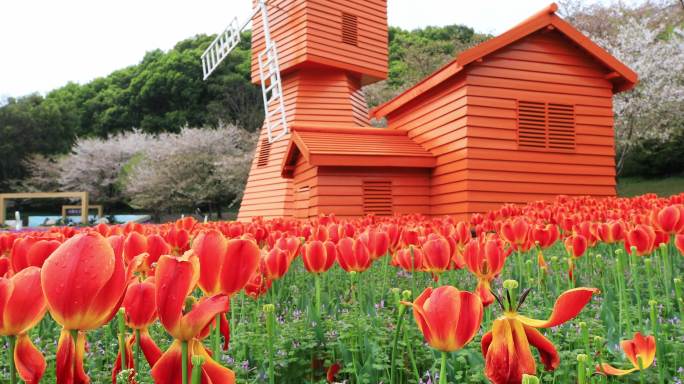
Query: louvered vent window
{"x": 264, "y": 153}
{"x": 377, "y": 197}
{"x": 350, "y": 29}
{"x": 546, "y": 125}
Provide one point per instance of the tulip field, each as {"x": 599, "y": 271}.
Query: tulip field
{"x": 574, "y": 290}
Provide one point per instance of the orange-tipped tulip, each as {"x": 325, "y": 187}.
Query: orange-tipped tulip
{"x": 507, "y": 347}
{"x": 318, "y": 256}
{"x": 175, "y": 279}
{"x": 640, "y": 346}
{"x": 22, "y": 306}
{"x": 437, "y": 254}
{"x": 447, "y": 317}
{"x": 353, "y": 255}
{"x": 83, "y": 282}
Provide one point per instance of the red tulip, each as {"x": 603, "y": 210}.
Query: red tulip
{"x": 639, "y": 347}
{"x": 611, "y": 232}
{"x": 210, "y": 247}
{"x": 507, "y": 347}
{"x": 485, "y": 258}
{"x": 83, "y": 282}
{"x": 140, "y": 312}
{"x": 241, "y": 261}
{"x": 679, "y": 243}
{"x": 377, "y": 242}
{"x": 516, "y": 232}
{"x": 134, "y": 245}
{"x": 643, "y": 237}
{"x": 318, "y": 256}
{"x": 353, "y": 255}
{"x": 156, "y": 246}
{"x": 22, "y": 306}
{"x": 576, "y": 245}
{"x": 447, "y": 317}
{"x": 437, "y": 254}
{"x": 332, "y": 372}
{"x": 669, "y": 219}
{"x": 410, "y": 258}
{"x": 4, "y": 266}
{"x": 257, "y": 285}
{"x": 275, "y": 263}
{"x": 31, "y": 251}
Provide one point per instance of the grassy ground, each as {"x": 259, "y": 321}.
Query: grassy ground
{"x": 634, "y": 186}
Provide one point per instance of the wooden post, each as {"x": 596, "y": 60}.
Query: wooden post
{"x": 2, "y": 210}
{"x": 84, "y": 208}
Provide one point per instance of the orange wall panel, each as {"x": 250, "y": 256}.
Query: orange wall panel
{"x": 312, "y": 32}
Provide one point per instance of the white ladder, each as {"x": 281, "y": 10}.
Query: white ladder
{"x": 221, "y": 47}
{"x": 272, "y": 92}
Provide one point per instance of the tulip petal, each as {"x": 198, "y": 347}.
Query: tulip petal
{"x": 29, "y": 361}
{"x": 508, "y": 356}
{"x": 73, "y": 276}
{"x": 149, "y": 348}
{"x": 243, "y": 257}
{"x": 26, "y": 305}
{"x": 202, "y": 315}
{"x": 610, "y": 370}
{"x": 69, "y": 360}
{"x": 225, "y": 331}
{"x": 547, "y": 351}
{"x": 167, "y": 370}
{"x": 210, "y": 247}
{"x": 567, "y": 307}
{"x": 174, "y": 278}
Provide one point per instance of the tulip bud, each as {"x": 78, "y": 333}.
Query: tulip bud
{"x": 269, "y": 308}
{"x": 406, "y": 294}
{"x": 528, "y": 379}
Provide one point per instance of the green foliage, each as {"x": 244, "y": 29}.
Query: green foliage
{"x": 657, "y": 157}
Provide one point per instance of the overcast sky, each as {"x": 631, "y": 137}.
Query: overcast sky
{"x": 46, "y": 43}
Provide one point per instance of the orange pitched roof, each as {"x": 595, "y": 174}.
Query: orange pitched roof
{"x": 354, "y": 147}
{"x": 622, "y": 77}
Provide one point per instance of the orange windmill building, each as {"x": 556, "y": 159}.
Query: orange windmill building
{"x": 524, "y": 116}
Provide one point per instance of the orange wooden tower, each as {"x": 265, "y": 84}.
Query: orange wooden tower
{"x": 328, "y": 49}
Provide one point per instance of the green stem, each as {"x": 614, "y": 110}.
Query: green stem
{"x": 270, "y": 330}
{"x": 196, "y": 375}
{"x": 184, "y": 362}
{"x": 641, "y": 370}
{"x": 442, "y": 372}
{"x": 317, "y": 283}
{"x": 10, "y": 357}
{"x": 122, "y": 339}
{"x": 137, "y": 352}
{"x": 412, "y": 358}
{"x": 395, "y": 342}
{"x": 74, "y": 337}
{"x": 216, "y": 339}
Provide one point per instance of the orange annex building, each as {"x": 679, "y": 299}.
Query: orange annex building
{"x": 524, "y": 116}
